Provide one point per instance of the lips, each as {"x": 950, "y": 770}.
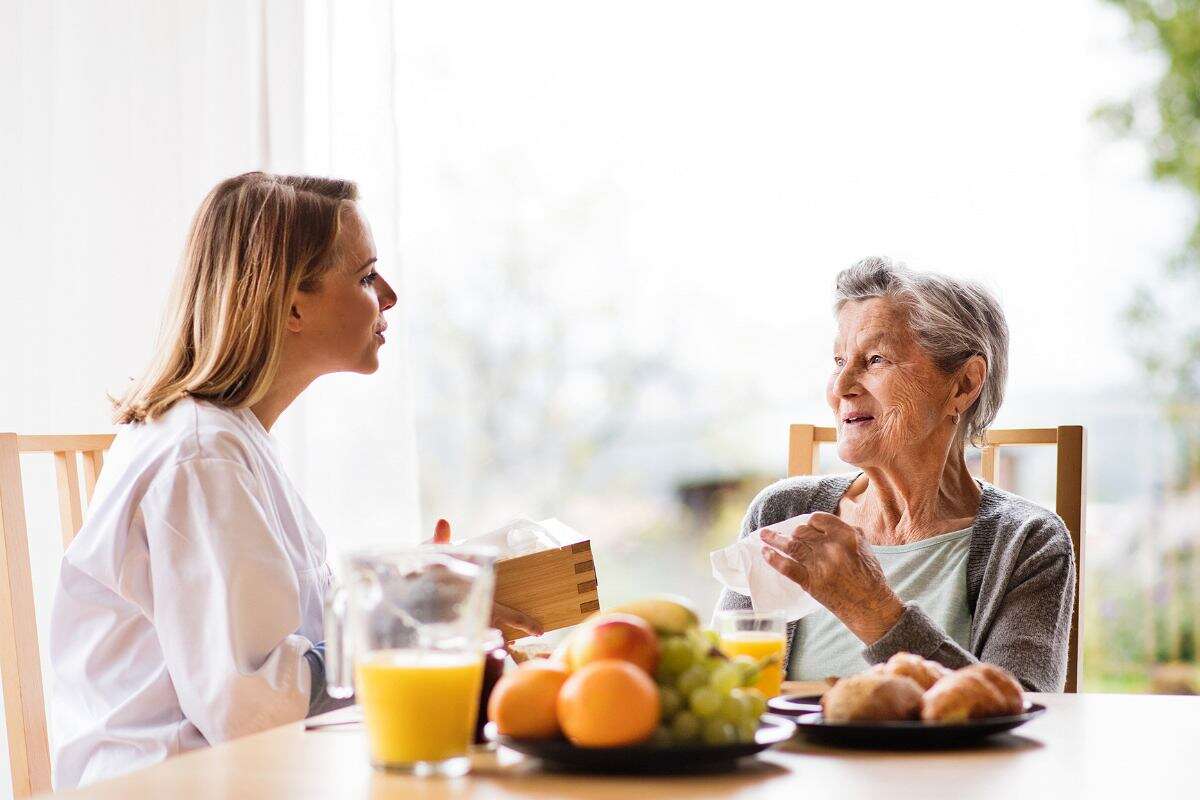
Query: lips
{"x": 857, "y": 419}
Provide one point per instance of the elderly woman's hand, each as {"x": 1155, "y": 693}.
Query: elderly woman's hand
{"x": 834, "y": 563}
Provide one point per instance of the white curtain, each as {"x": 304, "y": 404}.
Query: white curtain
{"x": 117, "y": 118}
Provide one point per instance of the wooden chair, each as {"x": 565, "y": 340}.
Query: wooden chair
{"x": 1070, "y": 442}
{"x": 20, "y": 658}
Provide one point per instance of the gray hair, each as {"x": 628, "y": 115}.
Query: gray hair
{"x": 951, "y": 319}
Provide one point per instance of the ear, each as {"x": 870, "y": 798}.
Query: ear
{"x": 968, "y": 384}
{"x": 294, "y": 321}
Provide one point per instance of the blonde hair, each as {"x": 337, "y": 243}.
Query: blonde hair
{"x": 256, "y": 240}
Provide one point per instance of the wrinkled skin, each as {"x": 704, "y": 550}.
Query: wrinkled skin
{"x": 915, "y": 482}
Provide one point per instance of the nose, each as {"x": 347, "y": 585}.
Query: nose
{"x": 846, "y": 382}
{"x": 383, "y": 290}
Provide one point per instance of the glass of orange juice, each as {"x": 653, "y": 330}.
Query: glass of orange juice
{"x": 405, "y": 634}
{"x": 757, "y": 634}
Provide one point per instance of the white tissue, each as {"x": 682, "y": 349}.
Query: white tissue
{"x": 517, "y": 538}
{"x": 742, "y": 568}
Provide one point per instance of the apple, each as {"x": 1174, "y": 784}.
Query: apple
{"x": 620, "y": 636}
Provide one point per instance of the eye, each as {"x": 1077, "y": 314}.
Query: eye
{"x": 876, "y": 359}
{"x": 369, "y": 279}
{"x": 839, "y": 362}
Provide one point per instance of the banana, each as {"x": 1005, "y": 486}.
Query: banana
{"x": 668, "y": 614}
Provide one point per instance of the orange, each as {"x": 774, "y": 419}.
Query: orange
{"x": 523, "y": 704}
{"x": 608, "y": 703}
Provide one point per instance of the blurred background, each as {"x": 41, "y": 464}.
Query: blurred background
{"x": 615, "y": 230}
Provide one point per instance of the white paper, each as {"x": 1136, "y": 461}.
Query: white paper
{"x": 742, "y": 568}
{"x": 517, "y": 538}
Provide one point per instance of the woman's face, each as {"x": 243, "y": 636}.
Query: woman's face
{"x": 340, "y": 323}
{"x": 887, "y": 395}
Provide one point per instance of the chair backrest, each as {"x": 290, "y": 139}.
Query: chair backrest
{"x": 1070, "y": 442}
{"x": 20, "y": 658}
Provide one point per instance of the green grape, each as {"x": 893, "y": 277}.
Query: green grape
{"x": 747, "y": 669}
{"x": 685, "y": 727}
{"x": 719, "y": 732}
{"x": 725, "y": 678}
{"x": 746, "y": 729}
{"x": 712, "y": 637}
{"x": 661, "y": 737}
{"x": 734, "y": 708}
{"x": 756, "y": 701}
{"x": 670, "y": 700}
{"x": 677, "y": 655}
{"x": 704, "y": 702}
{"x": 692, "y": 679}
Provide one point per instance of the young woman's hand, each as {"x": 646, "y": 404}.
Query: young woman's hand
{"x": 501, "y": 615}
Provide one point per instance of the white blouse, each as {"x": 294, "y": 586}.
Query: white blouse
{"x": 187, "y": 601}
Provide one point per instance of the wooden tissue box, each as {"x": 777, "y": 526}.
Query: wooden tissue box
{"x": 556, "y": 587}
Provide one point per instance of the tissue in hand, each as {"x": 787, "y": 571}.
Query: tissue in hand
{"x": 742, "y": 568}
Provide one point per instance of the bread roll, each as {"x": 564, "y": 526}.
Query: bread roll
{"x": 872, "y": 697}
{"x": 974, "y": 692}
{"x": 1002, "y": 679}
{"x": 907, "y": 665}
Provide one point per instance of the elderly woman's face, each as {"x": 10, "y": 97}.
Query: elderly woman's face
{"x": 885, "y": 392}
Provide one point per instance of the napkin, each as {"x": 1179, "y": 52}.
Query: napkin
{"x": 517, "y": 538}
{"x": 742, "y": 568}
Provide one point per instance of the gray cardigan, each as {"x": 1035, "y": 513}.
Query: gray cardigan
{"x": 1020, "y": 584}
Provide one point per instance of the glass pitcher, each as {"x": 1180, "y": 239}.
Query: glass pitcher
{"x": 405, "y": 628}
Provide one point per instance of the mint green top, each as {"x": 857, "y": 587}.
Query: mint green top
{"x": 931, "y": 573}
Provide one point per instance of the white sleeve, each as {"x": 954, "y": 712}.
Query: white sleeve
{"x": 226, "y": 602}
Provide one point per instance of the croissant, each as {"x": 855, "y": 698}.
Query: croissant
{"x": 872, "y": 696}
{"x": 907, "y": 665}
{"x": 974, "y": 692}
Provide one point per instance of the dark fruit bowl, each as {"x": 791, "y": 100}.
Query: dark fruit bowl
{"x": 646, "y": 758}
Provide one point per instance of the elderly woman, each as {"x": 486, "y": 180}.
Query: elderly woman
{"x": 911, "y": 553}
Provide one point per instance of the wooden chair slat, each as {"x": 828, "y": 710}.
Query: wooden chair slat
{"x": 55, "y": 443}
{"x": 988, "y": 463}
{"x": 20, "y": 662}
{"x": 70, "y": 511}
{"x": 1070, "y": 504}
{"x": 93, "y": 462}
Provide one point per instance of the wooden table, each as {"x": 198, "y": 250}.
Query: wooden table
{"x": 1083, "y": 746}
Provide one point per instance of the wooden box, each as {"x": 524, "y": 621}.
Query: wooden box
{"x": 556, "y": 587}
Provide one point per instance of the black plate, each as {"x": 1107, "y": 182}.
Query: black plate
{"x": 893, "y": 735}
{"x": 644, "y": 758}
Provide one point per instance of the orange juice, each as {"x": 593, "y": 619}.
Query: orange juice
{"x": 418, "y": 705}
{"x": 758, "y": 645}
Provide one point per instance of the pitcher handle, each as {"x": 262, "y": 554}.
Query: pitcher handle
{"x": 339, "y": 666}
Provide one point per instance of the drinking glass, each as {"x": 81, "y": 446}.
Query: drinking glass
{"x": 757, "y": 634}
{"x": 405, "y": 628}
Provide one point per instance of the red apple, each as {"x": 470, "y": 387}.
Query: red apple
{"x": 621, "y": 636}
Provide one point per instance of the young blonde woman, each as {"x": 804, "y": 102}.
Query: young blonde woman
{"x": 189, "y": 608}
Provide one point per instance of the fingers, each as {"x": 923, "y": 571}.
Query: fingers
{"x": 823, "y": 521}
{"x": 785, "y": 566}
{"x": 441, "y": 532}
{"x": 512, "y": 618}
{"x": 797, "y": 546}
